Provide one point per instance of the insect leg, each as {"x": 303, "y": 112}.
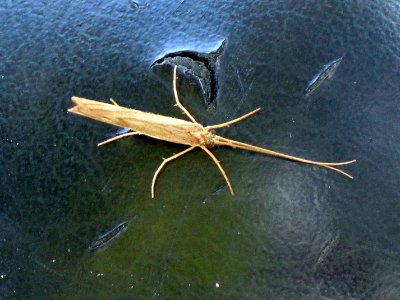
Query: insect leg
{"x": 118, "y": 137}
{"x": 219, "y": 167}
{"x": 234, "y": 120}
{"x": 114, "y": 102}
{"x": 178, "y": 102}
{"x": 167, "y": 160}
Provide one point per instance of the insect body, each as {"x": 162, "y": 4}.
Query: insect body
{"x": 162, "y": 127}
{"x": 190, "y": 133}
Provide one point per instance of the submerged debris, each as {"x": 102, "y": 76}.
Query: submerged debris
{"x": 327, "y": 248}
{"x": 327, "y": 72}
{"x": 105, "y": 239}
{"x": 136, "y": 5}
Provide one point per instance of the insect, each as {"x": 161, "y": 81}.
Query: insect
{"x": 179, "y": 131}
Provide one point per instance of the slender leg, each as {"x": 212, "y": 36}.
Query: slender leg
{"x": 234, "y": 120}
{"x": 118, "y": 137}
{"x": 178, "y": 103}
{"x": 113, "y": 102}
{"x": 167, "y": 160}
{"x": 220, "y": 168}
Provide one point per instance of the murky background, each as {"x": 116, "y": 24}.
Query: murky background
{"x": 291, "y": 231}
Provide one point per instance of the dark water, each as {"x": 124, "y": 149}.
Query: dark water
{"x": 292, "y": 231}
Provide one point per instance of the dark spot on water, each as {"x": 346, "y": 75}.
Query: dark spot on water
{"x": 136, "y": 5}
{"x": 349, "y": 271}
{"x": 200, "y": 68}
{"x": 105, "y": 239}
{"x": 327, "y": 71}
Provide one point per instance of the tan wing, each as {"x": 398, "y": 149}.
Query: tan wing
{"x": 153, "y": 125}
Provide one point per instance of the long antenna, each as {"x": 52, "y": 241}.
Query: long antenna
{"x": 218, "y": 140}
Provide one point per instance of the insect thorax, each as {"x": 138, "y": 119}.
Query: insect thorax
{"x": 209, "y": 138}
